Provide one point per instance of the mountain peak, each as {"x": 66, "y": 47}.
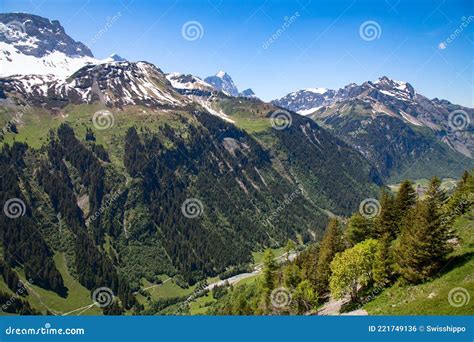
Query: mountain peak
{"x": 248, "y": 93}
{"x": 223, "y": 82}
{"x": 391, "y": 82}
{"x": 316, "y": 90}
{"x": 30, "y": 44}
{"x": 37, "y": 36}
{"x": 221, "y": 74}
{"x": 115, "y": 58}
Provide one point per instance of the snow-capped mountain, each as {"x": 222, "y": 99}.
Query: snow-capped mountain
{"x": 113, "y": 58}
{"x": 306, "y": 101}
{"x": 188, "y": 82}
{"x": 384, "y": 97}
{"x": 115, "y": 84}
{"x": 30, "y": 44}
{"x": 223, "y": 82}
{"x": 393, "y": 126}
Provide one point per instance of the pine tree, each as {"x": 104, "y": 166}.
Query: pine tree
{"x": 423, "y": 241}
{"x": 359, "y": 228}
{"x": 405, "y": 199}
{"x": 386, "y": 222}
{"x": 462, "y": 198}
{"x": 331, "y": 244}
{"x": 269, "y": 267}
{"x": 291, "y": 276}
{"x": 383, "y": 265}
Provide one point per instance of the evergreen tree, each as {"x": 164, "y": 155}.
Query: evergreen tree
{"x": 383, "y": 265}
{"x": 359, "y": 228}
{"x": 387, "y": 221}
{"x": 291, "y": 276}
{"x": 331, "y": 244}
{"x": 269, "y": 267}
{"x": 423, "y": 242}
{"x": 405, "y": 199}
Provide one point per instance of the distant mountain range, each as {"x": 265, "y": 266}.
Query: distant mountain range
{"x": 399, "y": 130}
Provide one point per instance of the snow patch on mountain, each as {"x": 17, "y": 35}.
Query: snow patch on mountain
{"x": 188, "y": 82}
{"x": 317, "y": 90}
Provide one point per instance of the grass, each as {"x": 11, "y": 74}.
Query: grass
{"x": 252, "y": 125}
{"x": 167, "y": 289}
{"x": 201, "y": 304}
{"x": 431, "y": 298}
{"x": 78, "y": 296}
{"x": 258, "y": 256}
{"x": 36, "y": 124}
{"x": 447, "y": 184}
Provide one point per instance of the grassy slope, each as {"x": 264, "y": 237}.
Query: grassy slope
{"x": 42, "y": 300}
{"x": 431, "y": 298}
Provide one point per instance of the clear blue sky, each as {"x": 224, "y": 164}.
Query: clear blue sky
{"x": 322, "y": 47}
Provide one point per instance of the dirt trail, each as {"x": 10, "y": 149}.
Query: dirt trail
{"x": 333, "y": 307}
